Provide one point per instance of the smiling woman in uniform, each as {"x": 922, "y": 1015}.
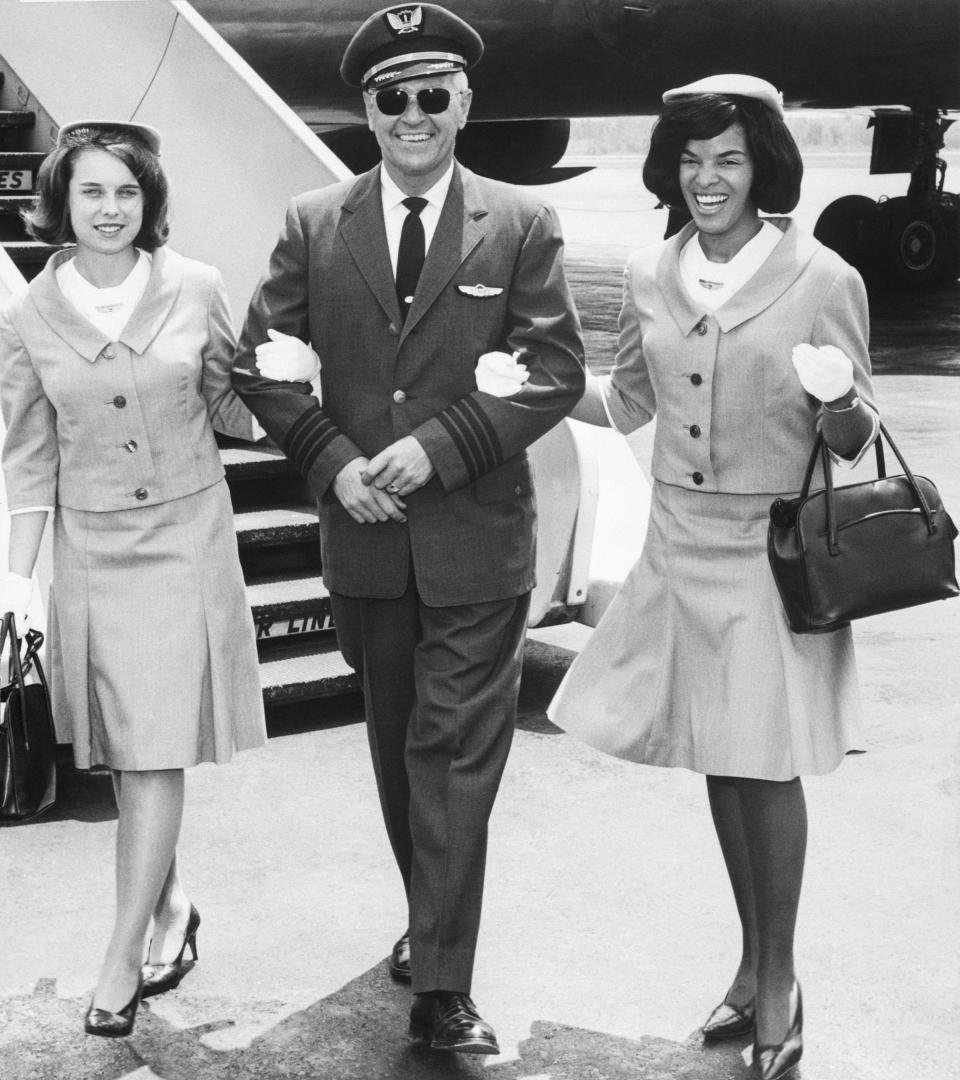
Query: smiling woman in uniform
{"x": 742, "y": 336}
{"x": 114, "y": 371}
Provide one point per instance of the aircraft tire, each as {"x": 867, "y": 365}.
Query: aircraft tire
{"x": 849, "y": 226}
{"x": 921, "y": 245}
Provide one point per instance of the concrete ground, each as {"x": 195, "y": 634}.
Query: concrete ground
{"x": 609, "y": 931}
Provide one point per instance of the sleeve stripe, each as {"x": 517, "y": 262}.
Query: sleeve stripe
{"x": 473, "y": 435}
{"x": 308, "y": 437}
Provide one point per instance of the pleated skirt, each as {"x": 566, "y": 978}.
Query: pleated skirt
{"x": 693, "y": 665}
{"x": 153, "y": 663}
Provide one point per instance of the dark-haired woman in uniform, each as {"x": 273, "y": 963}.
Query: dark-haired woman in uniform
{"x": 742, "y": 336}
{"x": 114, "y": 371}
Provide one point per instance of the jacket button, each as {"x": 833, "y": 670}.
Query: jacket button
{"x": 399, "y": 397}
{"x": 120, "y": 401}
{"x": 141, "y": 493}
{"x": 698, "y": 477}
{"x": 695, "y": 431}
{"x": 702, "y": 327}
{"x": 392, "y": 329}
{"x": 696, "y": 378}
{"x": 130, "y": 446}
{"x": 109, "y": 353}
{"x": 518, "y": 490}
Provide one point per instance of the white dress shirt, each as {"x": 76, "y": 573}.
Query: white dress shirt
{"x": 395, "y": 213}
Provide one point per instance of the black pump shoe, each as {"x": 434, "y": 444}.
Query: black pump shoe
{"x": 113, "y": 1025}
{"x": 774, "y": 1062}
{"x": 158, "y": 978}
{"x": 729, "y": 1021}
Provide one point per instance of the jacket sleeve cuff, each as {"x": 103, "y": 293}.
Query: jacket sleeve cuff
{"x": 461, "y": 442}
{"x": 317, "y": 449}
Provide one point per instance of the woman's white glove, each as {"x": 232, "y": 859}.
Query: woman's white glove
{"x": 499, "y": 374}
{"x": 825, "y": 373}
{"x": 287, "y": 359}
{"x": 15, "y": 595}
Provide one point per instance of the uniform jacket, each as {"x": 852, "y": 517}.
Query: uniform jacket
{"x": 731, "y": 413}
{"x": 470, "y": 530}
{"x": 100, "y": 425}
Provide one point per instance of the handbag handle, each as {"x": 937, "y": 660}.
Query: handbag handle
{"x": 820, "y": 449}
{"x": 15, "y": 670}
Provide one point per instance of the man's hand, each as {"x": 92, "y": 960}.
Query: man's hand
{"x": 399, "y": 468}
{"x": 363, "y": 503}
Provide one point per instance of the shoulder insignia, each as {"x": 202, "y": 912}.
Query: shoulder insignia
{"x": 481, "y": 291}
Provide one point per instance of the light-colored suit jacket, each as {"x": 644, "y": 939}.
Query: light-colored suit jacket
{"x": 493, "y": 279}
{"x": 731, "y": 413}
{"x": 100, "y": 425}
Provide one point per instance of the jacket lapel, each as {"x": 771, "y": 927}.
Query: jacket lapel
{"x": 365, "y": 236}
{"x": 153, "y": 308}
{"x": 458, "y": 232}
{"x": 62, "y": 317}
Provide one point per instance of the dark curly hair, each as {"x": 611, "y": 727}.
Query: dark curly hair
{"x": 49, "y": 219}
{"x": 777, "y": 166}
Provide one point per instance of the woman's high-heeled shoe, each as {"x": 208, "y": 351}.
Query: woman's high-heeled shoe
{"x": 774, "y": 1062}
{"x": 729, "y": 1021}
{"x": 114, "y": 1025}
{"x": 158, "y": 978}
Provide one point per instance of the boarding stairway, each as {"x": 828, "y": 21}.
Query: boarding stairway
{"x": 274, "y": 513}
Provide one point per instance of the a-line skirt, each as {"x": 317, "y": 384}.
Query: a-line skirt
{"x": 153, "y": 663}
{"x": 694, "y": 665}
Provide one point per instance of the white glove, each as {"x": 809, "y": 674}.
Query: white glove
{"x": 499, "y": 374}
{"x": 287, "y": 359}
{"x": 15, "y": 594}
{"x": 825, "y": 373}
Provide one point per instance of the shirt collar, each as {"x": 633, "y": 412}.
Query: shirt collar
{"x": 393, "y": 196}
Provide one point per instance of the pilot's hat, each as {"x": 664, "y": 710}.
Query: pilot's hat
{"x": 408, "y": 42}
{"x": 78, "y": 128}
{"x": 748, "y": 86}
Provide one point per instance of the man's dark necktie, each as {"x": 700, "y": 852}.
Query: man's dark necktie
{"x": 411, "y": 253}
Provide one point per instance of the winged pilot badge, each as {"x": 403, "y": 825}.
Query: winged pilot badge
{"x": 480, "y": 291}
{"x": 405, "y": 20}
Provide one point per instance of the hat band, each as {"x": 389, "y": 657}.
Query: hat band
{"x": 391, "y": 68}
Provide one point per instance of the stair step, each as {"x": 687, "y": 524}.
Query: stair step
{"x": 13, "y": 204}
{"x": 280, "y": 525}
{"x": 288, "y": 607}
{"x": 241, "y": 462}
{"x": 305, "y": 671}
{"x": 17, "y": 118}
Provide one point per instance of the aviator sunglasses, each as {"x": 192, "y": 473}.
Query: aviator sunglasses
{"x": 433, "y": 100}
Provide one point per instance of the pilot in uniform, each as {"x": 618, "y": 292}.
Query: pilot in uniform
{"x": 426, "y": 505}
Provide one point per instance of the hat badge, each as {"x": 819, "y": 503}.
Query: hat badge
{"x": 405, "y": 20}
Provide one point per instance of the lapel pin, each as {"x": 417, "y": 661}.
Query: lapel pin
{"x": 481, "y": 291}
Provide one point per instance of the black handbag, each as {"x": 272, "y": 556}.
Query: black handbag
{"x": 842, "y": 553}
{"x": 28, "y": 741}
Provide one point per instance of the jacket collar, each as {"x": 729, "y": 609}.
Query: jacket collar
{"x": 163, "y": 287}
{"x": 458, "y": 232}
{"x": 781, "y": 269}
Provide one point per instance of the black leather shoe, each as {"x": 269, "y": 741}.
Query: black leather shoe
{"x": 728, "y": 1021}
{"x": 451, "y": 1022}
{"x": 400, "y": 959}
{"x": 774, "y": 1062}
{"x": 158, "y": 978}
{"x": 113, "y": 1025}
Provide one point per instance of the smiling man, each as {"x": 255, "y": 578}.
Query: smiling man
{"x": 402, "y": 279}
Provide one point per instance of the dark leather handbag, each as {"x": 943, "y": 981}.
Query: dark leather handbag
{"x": 28, "y": 742}
{"x": 842, "y": 553}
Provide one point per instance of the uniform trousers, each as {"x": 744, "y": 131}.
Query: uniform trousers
{"x": 440, "y": 687}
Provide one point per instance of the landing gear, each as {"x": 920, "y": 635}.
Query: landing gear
{"x": 914, "y": 239}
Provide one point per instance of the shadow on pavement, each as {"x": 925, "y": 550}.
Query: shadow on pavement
{"x": 357, "y": 1033}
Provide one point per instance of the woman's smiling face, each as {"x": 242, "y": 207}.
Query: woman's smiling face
{"x": 716, "y": 177}
{"x": 105, "y": 203}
